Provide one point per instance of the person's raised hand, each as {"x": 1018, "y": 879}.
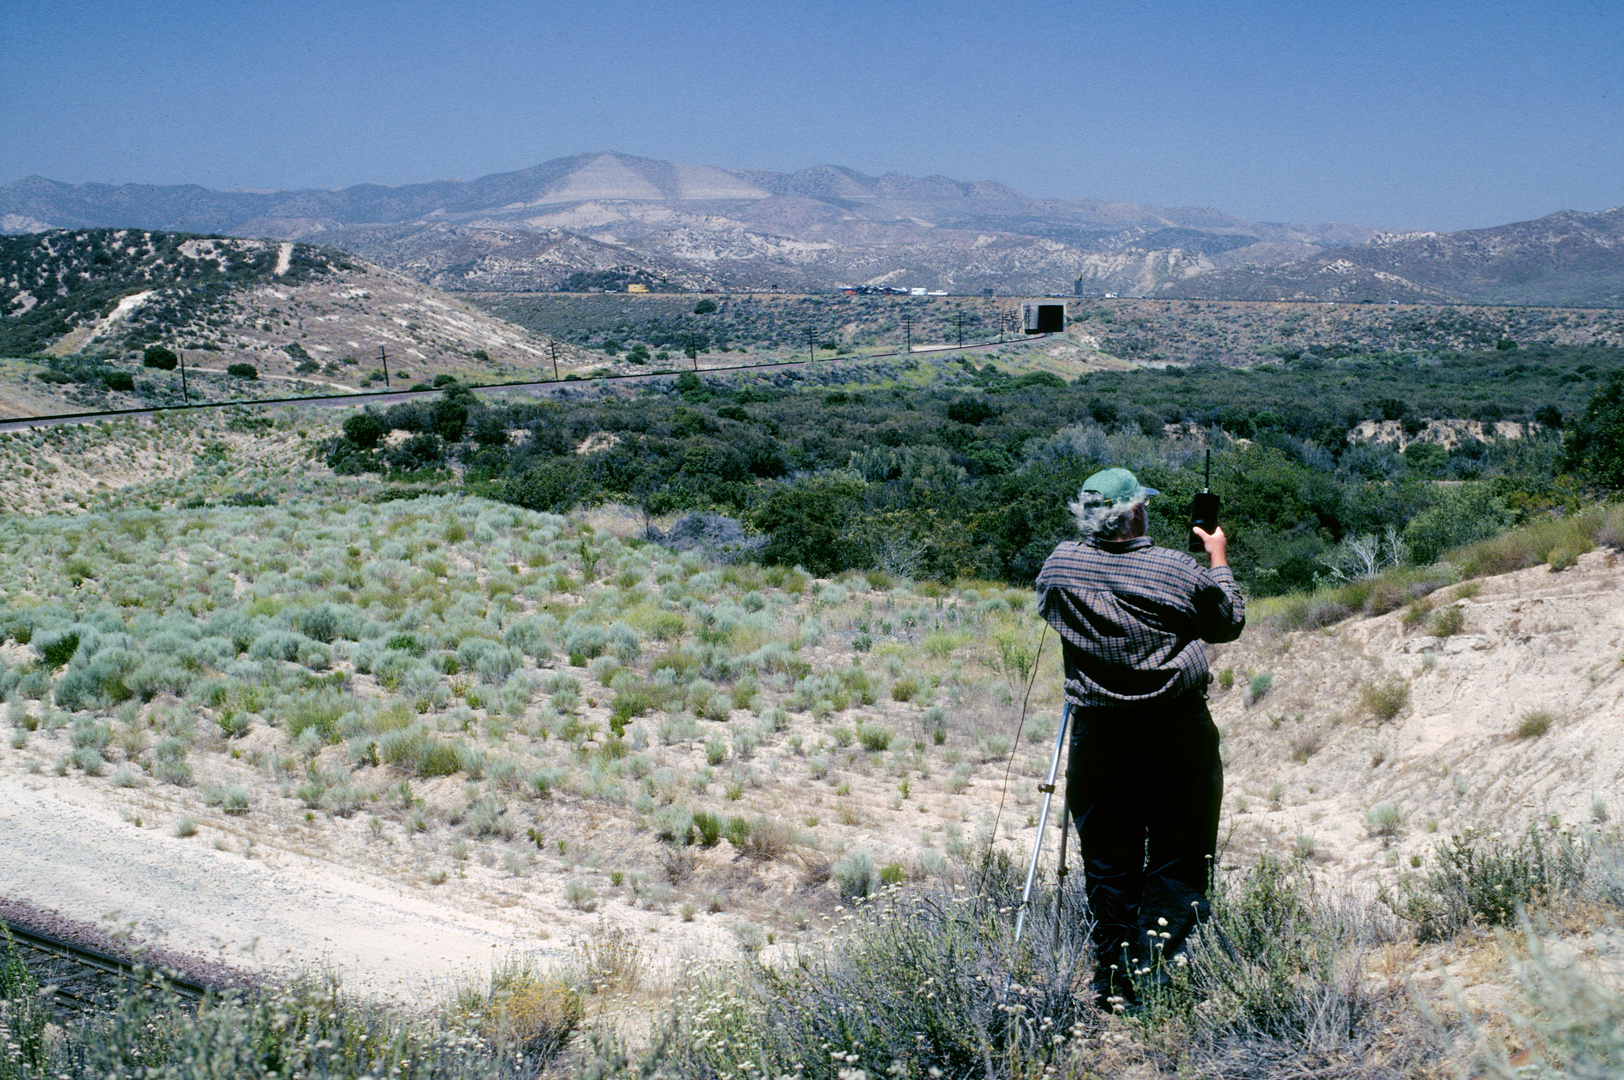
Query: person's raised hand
{"x": 1216, "y": 543}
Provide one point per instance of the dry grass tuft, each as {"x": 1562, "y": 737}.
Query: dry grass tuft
{"x": 1534, "y": 723}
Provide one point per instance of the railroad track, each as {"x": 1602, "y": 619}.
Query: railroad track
{"x": 364, "y": 397}
{"x": 88, "y": 980}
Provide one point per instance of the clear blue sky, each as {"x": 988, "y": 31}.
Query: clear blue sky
{"x": 1428, "y": 115}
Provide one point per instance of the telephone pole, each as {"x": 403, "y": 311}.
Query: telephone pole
{"x": 552, "y": 347}
{"x": 811, "y": 346}
{"x": 184, "y": 396}
{"x": 959, "y": 318}
{"x": 385, "y": 358}
{"x": 907, "y": 332}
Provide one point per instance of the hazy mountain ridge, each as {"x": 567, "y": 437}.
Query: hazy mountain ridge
{"x": 1563, "y": 258}
{"x": 699, "y": 227}
{"x": 695, "y": 225}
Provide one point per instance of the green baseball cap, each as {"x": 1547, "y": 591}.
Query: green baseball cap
{"x": 1116, "y": 486}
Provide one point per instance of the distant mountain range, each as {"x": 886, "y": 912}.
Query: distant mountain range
{"x": 1564, "y": 259}
{"x": 700, "y": 227}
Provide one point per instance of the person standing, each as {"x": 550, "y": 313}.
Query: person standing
{"x": 1144, "y": 779}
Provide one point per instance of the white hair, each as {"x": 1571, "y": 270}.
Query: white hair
{"x": 1101, "y": 520}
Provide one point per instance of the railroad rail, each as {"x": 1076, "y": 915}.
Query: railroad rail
{"x": 84, "y": 980}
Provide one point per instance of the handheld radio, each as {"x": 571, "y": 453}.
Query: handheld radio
{"x": 1203, "y": 510}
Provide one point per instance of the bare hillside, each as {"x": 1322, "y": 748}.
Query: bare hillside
{"x": 1515, "y": 716}
{"x": 306, "y": 319}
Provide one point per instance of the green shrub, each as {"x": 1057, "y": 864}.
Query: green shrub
{"x": 708, "y": 827}
{"x": 674, "y": 825}
{"x": 319, "y": 623}
{"x": 738, "y": 830}
{"x": 1563, "y": 556}
{"x": 1449, "y": 621}
{"x": 57, "y": 649}
{"x": 1384, "y": 821}
{"x": 91, "y": 734}
{"x": 1385, "y": 700}
{"x": 1258, "y": 686}
{"x": 588, "y": 642}
{"x": 439, "y": 759}
{"x": 318, "y": 711}
{"x": 874, "y": 738}
{"x": 856, "y": 875}
{"x": 156, "y": 356}
{"x": 489, "y": 818}
{"x": 1485, "y": 881}
{"x": 905, "y": 688}
{"x": 242, "y": 371}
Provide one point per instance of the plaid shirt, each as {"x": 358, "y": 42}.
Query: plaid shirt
{"x": 1132, "y": 617}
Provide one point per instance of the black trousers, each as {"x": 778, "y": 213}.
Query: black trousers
{"x": 1144, "y": 784}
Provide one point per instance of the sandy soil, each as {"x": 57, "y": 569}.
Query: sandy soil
{"x": 271, "y": 911}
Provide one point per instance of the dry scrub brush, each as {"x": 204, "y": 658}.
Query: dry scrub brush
{"x": 932, "y": 983}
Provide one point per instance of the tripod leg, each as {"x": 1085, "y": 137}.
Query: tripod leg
{"x": 1048, "y": 790}
{"x": 1061, "y": 871}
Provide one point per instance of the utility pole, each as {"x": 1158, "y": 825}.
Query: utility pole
{"x": 907, "y": 331}
{"x": 184, "y": 396}
{"x": 693, "y": 351}
{"x": 959, "y": 318}
{"x": 385, "y": 358}
{"x": 552, "y": 347}
{"x": 1007, "y": 320}
{"x": 811, "y": 344}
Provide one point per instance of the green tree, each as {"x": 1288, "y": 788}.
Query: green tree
{"x": 812, "y": 523}
{"x": 704, "y": 307}
{"x": 1426, "y": 459}
{"x": 1595, "y": 441}
{"x": 364, "y": 429}
{"x": 156, "y": 356}
{"x": 552, "y": 485}
{"x": 1462, "y": 515}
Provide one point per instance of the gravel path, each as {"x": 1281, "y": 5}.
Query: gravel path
{"x": 92, "y": 867}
